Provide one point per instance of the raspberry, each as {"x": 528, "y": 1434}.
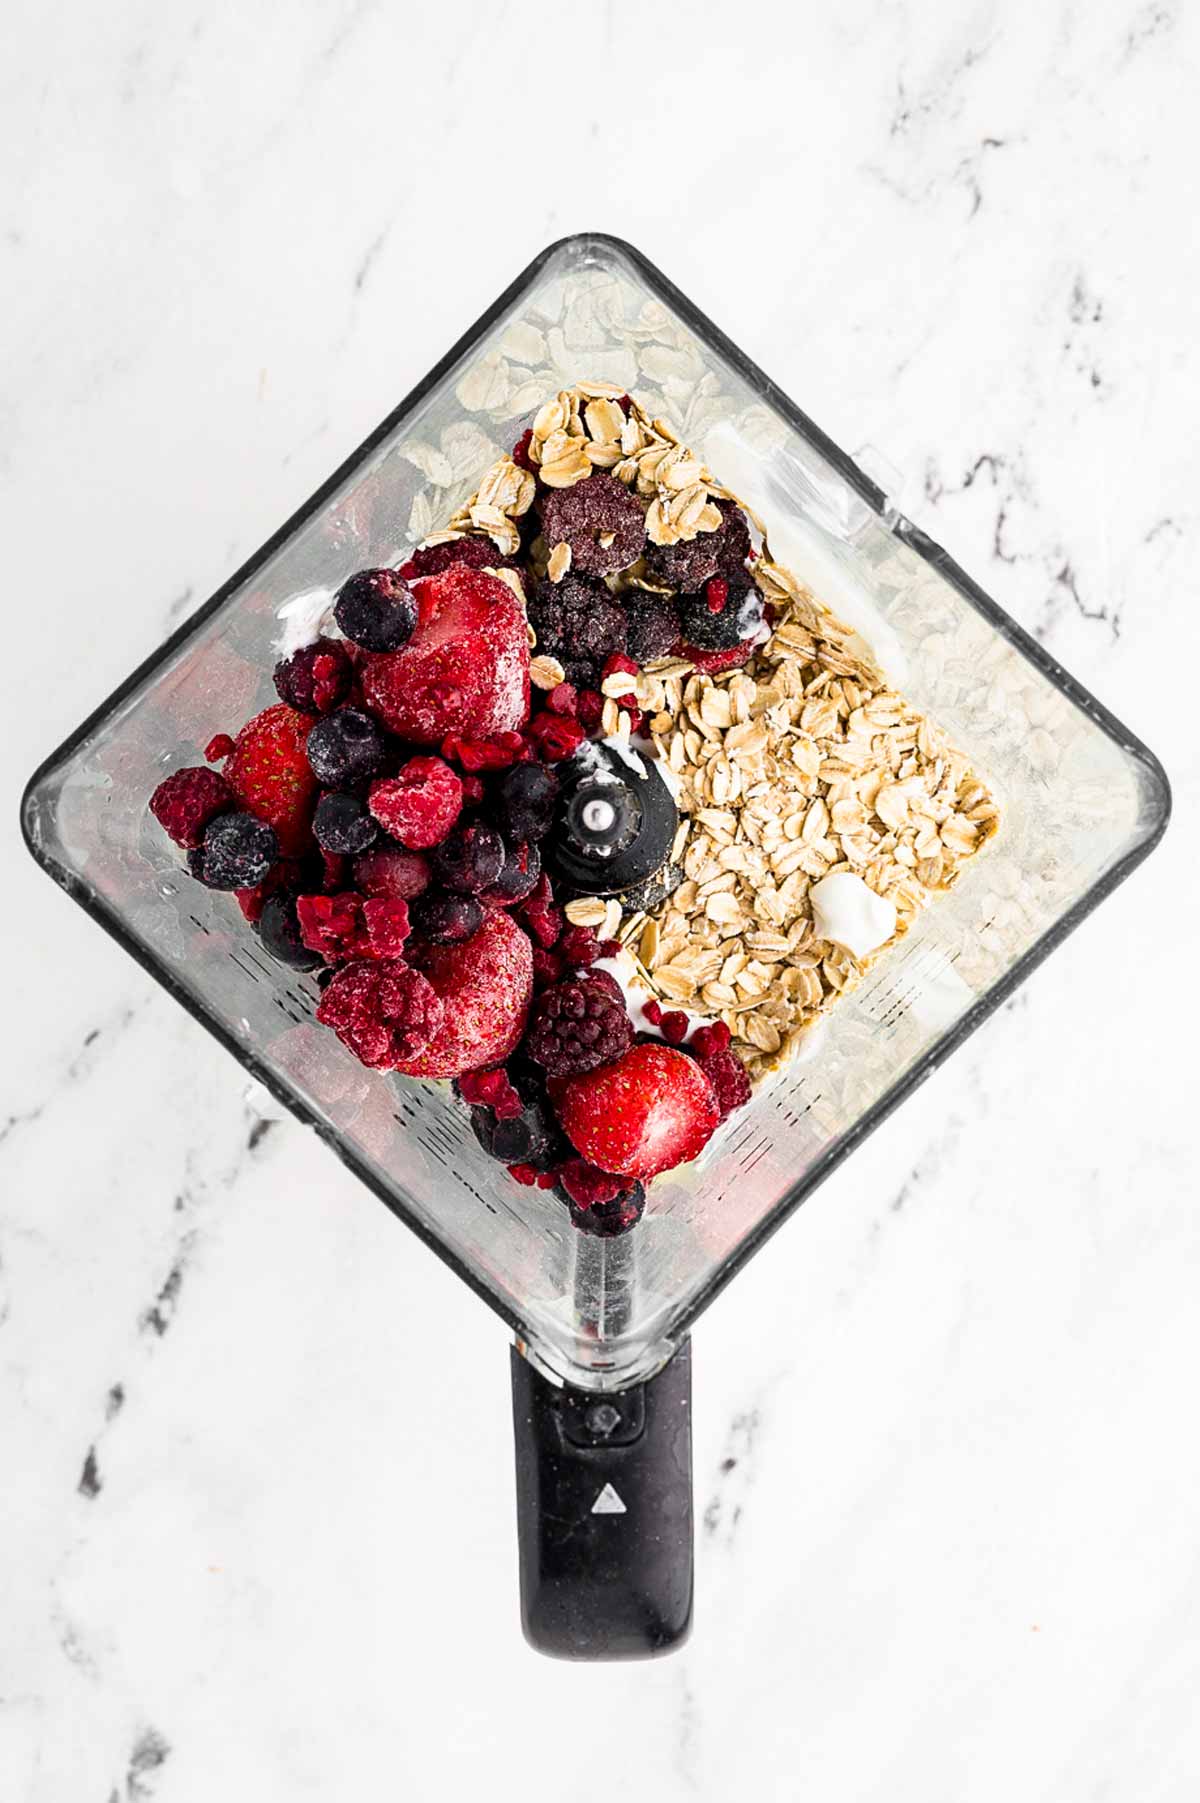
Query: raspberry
{"x": 524, "y": 802}
{"x": 729, "y": 1078}
{"x": 341, "y": 824}
{"x": 185, "y": 802}
{"x": 446, "y": 919}
{"x": 579, "y": 946}
{"x": 420, "y": 804}
{"x": 653, "y": 631}
{"x": 713, "y": 662}
{"x": 555, "y": 737}
{"x": 497, "y": 753}
{"x": 590, "y": 710}
{"x": 547, "y": 967}
{"x": 345, "y": 748}
{"x": 653, "y": 1012}
{"x": 705, "y": 1041}
{"x": 541, "y": 918}
{"x": 673, "y": 1025}
{"x": 592, "y": 510}
{"x": 376, "y": 609}
{"x": 218, "y": 747}
{"x": 599, "y": 1203}
{"x": 392, "y": 872}
{"x": 578, "y": 622}
{"x": 333, "y": 925}
{"x": 316, "y": 678}
{"x": 720, "y": 629}
{"x": 491, "y": 1089}
{"x": 578, "y": 1025}
{"x": 587, "y": 1185}
{"x": 237, "y": 852}
{"x": 387, "y": 924}
{"x": 520, "y": 452}
{"x": 519, "y": 875}
{"x": 470, "y": 859}
{"x": 279, "y": 930}
{"x": 382, "y": 1012}
{"x": 563, "y": 699}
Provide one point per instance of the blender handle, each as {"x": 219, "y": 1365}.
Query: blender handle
{"x": 604, "y": 1513}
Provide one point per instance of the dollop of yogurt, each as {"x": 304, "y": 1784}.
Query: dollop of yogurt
{"x": 851, "y": 915}
{"x": 300, "y": 620}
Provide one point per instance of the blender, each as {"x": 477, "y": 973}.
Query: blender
{"x": 600, "y": 1362}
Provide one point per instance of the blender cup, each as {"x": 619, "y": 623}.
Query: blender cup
{"x": 601, "y": 1379}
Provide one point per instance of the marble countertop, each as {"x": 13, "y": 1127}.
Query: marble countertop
{"x": 256, "y": 1513}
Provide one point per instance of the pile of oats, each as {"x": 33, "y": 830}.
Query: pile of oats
{"x": 801, "y": 763}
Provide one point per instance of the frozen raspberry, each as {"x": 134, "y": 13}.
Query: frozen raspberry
{"x": 317, "y": 678}
{"x": 591, "y": 511}
{"x": 729, "y": 1078}
{"x": 586, "y": 1185}
{"x": 485, "y": 984}
{"x": 279, "y": 930}
{"x": 465, "y": 669}
{"x": 491, "y": 1089}
{"x": 590, "y": 710}
{"x": 519, "y": 875}
{"x": 673, "y": 1025}
{"x": 376, "y": 609}
{"x": 715, "y": 1037}
{"x": 653, "y": 630}
{"x": 237, "y": 852}
{"x": 688, "y": 565}
{"x": 473, "y": 790}
{"x": 555, "y": 737}
{"x": 579, "y": 946}
{"x": 341, "y": 824}
{"x": 563, "y": 699}
{"x": 383, "y": 1012}
{"x": 333, "y": 925}
{"x": 470, "y": 859}
{"x": 218, "y": 747}
{"x": 548, "y": 967}
{"x": 520, "y": 452}
{"x": 185, "y": 802}
{"x": 720, "y": 628}
{"x": 446, "y": 919}
{"x": 496, "y": 753}
{"x": 578, "y": 622}
{"x": 653, "y": 1012}
{"x": 541, "y": 919}
{"x": 576, "y": 1026}
{"x": 524, "y": 801}
{"x": 472, "y": 553}
{"x": 391, "y": 872}
{"x": 713, "y": 662}
{"x": 345, "y": 748}
{"x": 420, "y": 804}
{"x": 269, "y": 772}
{"x": 647, "y": 1112}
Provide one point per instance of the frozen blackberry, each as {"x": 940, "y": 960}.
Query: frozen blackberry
{"x": 476, "y": 553}
{"x": 594, "y": 510}
{"x": 469, "y": 859}
{"x": 688, "y": 565}
{"x": 518, "y": 877}
{"x": 577, "y": 1026}
{"x": 237, "y": 852}
{"x": 377, "y": 609}
{"x": 578, "y": 622}
{"x": 342, "y": 824}
{"x": 279, "y": 931}
{"x": 530, "y": 1137}
{"x": 722, "y": 616}
{"x": 524, "y": 801}
{"x": 607, "y": 1219}
{"x": 735, "y": 541}
{"x": 345, "y": 748}
{"x": 316, "y": 678}
{"x": 652, "y": 631}
{"x": 446, "y": 919}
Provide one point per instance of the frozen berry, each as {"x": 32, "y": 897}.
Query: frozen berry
{"x": 342, "y": 824}
{"x": 492, "y": 1089}
{"x": 218, "y": 747}
{"x": 383, "y": 1012}
{"x": 518, "y": 876}
{"x": 689, "y": 564}
{"x": 473, "y": 553}
{"x": 524, "y": 801}
{"x": 719, "y": 629}
{"x": 485, "y": 984}
{"x": 333, "y": 925}
{"x": 577, "y": 1026}
{"x": 729, "y": 1078}
{"x": 541, "y": 919}
{"x": 470, "y": 859}
{"x": 607, "y": 1218}
{"x": 279, "y": 930}
{"x": 392, "y": 873}
{"x": 735, "y": 541}
{"x": 601, "y": 521}
{"x": 528, "y": 1136}
{"x": 345, "y": 748}
{"x": 652, "y": 631}
{"x": 269, "y": 773}
{"x": 713, "y": 662}
{"x": 420, "y": 804}
{"x": 185, "y": 802}
{"x": 579, "y": 946}
{"x": 649, "y": 1111}
{"x": 714, "y": 1037}
{"x": 236, "y": 853}
{"x": 578, "y": 622}
{"x": 317, "y": 678}
{"x": 496, "y": 753}
{"x": 465, "y": 669}
{"x": 446, "y": 919}
{"x": 556, "y": 738}
{"x": 376, "y": 609}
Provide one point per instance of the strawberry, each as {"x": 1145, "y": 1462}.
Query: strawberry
{"x": 485, "y": 983}
{"x": 651, "y": 1109}
{"x": 465, "y": 669}
{"x": 269, "y": 773}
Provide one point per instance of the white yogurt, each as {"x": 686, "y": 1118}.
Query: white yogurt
{"x": 302, "y": 618}
{"x": 851, "y": 915}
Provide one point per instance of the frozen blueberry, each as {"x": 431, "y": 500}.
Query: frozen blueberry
{"x": 525, "y": 800}
{"x": 519, "y": 874}
{"x": 279, "y": 931}
{"x": 446, "y": 919}
{"x": 376, "y": 609}
{"x": 345, "y": 748}
{"x": 342, "y": 824}
{"x": 237, "y": 852}
{"x": 470, "y": 859}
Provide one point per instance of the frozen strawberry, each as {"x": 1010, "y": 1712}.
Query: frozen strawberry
{"x": 269, "y": 773}
{"x": 464, "y": 670}
{"x": 485, "y": 983}
{"x": 652, "y": 1109}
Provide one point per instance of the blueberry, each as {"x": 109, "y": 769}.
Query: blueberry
{"x": 519, "y": 874}
{"x": 525, "y": 800}
{"x": 341, "y": 823}
{"x": 446, "y": 919}
{"x": 607, "y": 1219}
{"x": 734, "y": 622}
{"x": 280, "y": 933}
{"x": 376, "y": 609}
{"x": 469, "y": 859}
{"x": 345, "y": 748}
{"x": 237, "y": 852}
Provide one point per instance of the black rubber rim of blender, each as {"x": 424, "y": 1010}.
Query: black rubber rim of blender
{"x": 681, "y": 1323}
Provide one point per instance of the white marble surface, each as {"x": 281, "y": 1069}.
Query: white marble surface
{"x": 256, "y": 1514}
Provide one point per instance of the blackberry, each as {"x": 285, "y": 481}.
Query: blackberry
{"x": 476, "y": 553}
{"x": 530, "y": 1137}
{"x": 713, "y": 629}
{"x": 607, "y": 1219}
{"x": 345, "y": 748}
{"x": 598, "y": 508}
{"x": 469, "y": 859}
{"x": 237, "y": 852}
{"x": 688, "y": 565}
{"x": 735, "y": 542}
{"x": 518, "y": 877}
{"x": 316, "y": 678}
{"x": 446, "y": 919}
{"x": 577, "y": 1026}
{"x": 653, "y": 630}
{"x": 578, "y": 622}
{"x": 342, "y": 824}
{"x": 279, "y": 931}
{"x": 376, "y": 609}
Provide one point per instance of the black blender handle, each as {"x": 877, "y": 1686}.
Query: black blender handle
{"x": 604, "y": 1513}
